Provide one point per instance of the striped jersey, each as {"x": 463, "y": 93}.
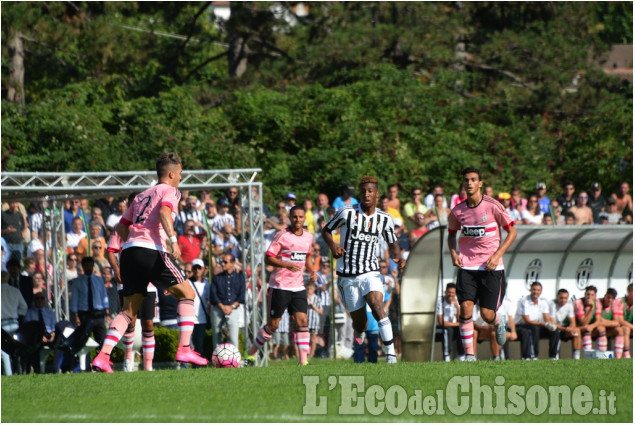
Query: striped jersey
{"x": 360, "y": 235}
{"x": 480, "y": 232}
{"x": 312, "y": 316}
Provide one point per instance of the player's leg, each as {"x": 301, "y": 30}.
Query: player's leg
{"x": 466, "y": 294}
{"x": 298, "y": 307}
{"x": 146, "y": 314}
{"x": 277, "y": 301}
{"x": 374, "y": 295}
{"x": 618, "y": 335}
{"x": 576, "y": 335}
{"x": 587, "y": 342}
{"x": 602, "y": 339}
{"x": 628, "y": 331}
{"x": 490, "y": 292}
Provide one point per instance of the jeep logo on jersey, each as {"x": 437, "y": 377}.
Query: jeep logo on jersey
{"x": 583, "y": 274}
{"x": 532, "y": 272}
{"x": 364, "y": 237}
{"x": 474, "y": 231}
{"x": 298, "y": 256}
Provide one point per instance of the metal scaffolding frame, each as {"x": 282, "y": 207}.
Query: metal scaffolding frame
{"x": 56, "y": 187}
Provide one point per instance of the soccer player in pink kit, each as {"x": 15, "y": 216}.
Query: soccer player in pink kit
{"x": 289, "y": 253}
{"x": 146, "y": 227}
{"x": 481, "y": 274}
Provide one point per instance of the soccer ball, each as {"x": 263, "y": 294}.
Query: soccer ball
{"x": 226, "y": 355}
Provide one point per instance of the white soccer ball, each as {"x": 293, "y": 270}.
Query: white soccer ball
{"x": 226, "y": 355}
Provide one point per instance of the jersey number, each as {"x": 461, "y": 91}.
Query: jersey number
{"x": 141, "y": 218}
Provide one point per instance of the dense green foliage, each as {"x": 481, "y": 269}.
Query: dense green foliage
{"x": 411, "y": 92}
{"x": 277, "y": 393}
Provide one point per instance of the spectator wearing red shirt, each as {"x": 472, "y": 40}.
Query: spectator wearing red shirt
{"x": 189, "y": 243}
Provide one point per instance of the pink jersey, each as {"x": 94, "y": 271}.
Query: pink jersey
{"x": 114, "y": 243}
{"x": 480, "y": 232}
{"x": 289, "y": 247}
{"x": 580, "y": 310}
{"x": 144, "y": 220}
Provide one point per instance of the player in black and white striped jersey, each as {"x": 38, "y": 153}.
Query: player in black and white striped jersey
{"x": 357, "y": 266}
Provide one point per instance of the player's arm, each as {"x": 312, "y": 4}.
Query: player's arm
{"x": 309, "y": 269}
{"x": 276, "y": 262}
{"x": 123, "y": 230}
{"x": 456, "y": 259}
{"x": 165, "y": 215}
{"x": 395, "y": 254}
{"x": 509, "y": 239}
{"x": 337, "y": 250}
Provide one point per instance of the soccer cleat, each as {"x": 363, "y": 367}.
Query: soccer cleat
{"x": 102, "y": 364}
{"x": 359, "y": 338}
{"x": 128, "y": 365}
{"x": 501, "y": 332}
{"x": 249, "y": 360}
{"x": 306, "y": 363}
{"x": 470, "y": 358}
{"x": 391, "y": 358}
{"x": 187, "y": 355}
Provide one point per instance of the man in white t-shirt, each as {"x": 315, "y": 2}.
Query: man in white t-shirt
{"x": 563, "y": 316}
{"x": 532, "y": 315}
{"x": 448, "y": 321}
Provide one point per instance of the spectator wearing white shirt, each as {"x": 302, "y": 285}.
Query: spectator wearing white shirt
{"x": 531, "y": 316}
{"x": 563, "y": 316}
{"x": 113, "y": 219}
{"x": 13, "y": 306}
{"x": 76, "y": 234}
{"x": 448, "y": 321}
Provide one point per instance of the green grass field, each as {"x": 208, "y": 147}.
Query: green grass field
{"x": 278, "y": 394}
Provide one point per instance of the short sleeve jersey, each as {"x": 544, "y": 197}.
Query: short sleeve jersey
{"x": 289, "y": 247}
{"x": 561, "y": 314}
{"x": 615, "y": 309}
{"x": 534, "y": 310}
{"x": 144, "y": 220}
{"x": 360, "y": 235}
{"x": 480, "y": 233}
{"x": 581, "y": 310}
{"x": 627, "y": 310}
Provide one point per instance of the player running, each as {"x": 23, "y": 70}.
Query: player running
{"x": 481, "y": 274}
{"x": 146, "y": 227}
{"x": 289, "y": 253}
{"x": 360, "y": 281}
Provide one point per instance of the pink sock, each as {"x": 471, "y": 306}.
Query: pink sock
{"x": 117, "y": 328}
{"x": 466, "y": 329}
{"x": 627, "y": 352}
{"x": 303, "y": 341}
{"x": 185, "y": 320}
{"x": 586, "y": 341}
{"x": 128, "y": 341}
{"x": 147, "y": 342}
{"x": 602, "y": 342}
{"x": 261, "y": 339}
{"x": 619, "y": 346}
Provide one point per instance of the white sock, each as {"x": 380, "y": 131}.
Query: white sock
{"x": 385, "y": 333}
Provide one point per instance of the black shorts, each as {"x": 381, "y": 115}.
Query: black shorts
{"x": 140, "y": 266}
{"x": 482, "y": 286}
{"x": 280, "y": 300}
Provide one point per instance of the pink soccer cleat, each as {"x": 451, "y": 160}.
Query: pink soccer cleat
{"x": 102, "y": 364}
{"x": 187, "y": 355}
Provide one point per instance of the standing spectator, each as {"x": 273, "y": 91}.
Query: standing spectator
{"x": 206, "y": 198}
{"x": 232, "y": 197}
{"x": 567, "y": 199}
{"x": 39, "y": 286}
{"x": 201, "y": 286}
{"x": 313, "y": 315}
{"x": 226, "y": 243}
{"x": 189, "y": 213}
{"x": 5, "y": 255}
{"x": 414, "y": 206}
{"x": 226, "y": 293}
{"x": 563, "y": 316}
{"x": 448, "y": 321}
{"x": 420, "y": 229}
{"x": 518, "y": 202}
{"x": 582, "y": 213}
{"x": 324, "y": 294}
{"x": 71, "y": 267}
{"x": 384, "y": 205}
{"x": 588, "y": 316}
{"x": 23, "y": 283}
{"x": 438, "y": 214}
{"x": 111, "y": 291}
{"x": 35, "y": 220}
{"x": 82, "y": 249}
{"x": 429, "y": 199}
{"x": 308, "y": 212}
{"x": 393, "y": 200}
{"x": 346, "y": 199}
{"x": 73, "y": 210}
{"x": 29, "y": 266}
{"x": 96, "y": 216}
{"x": 14, "y": 230}
{"x": 506, "y": 199}
{"x": 321, "y": 205}
{"x": 569, "y": 218}
{"x": 596, "y": 201}
{"x": 290, "y": 201}
{"x": 120, "y": 209}
{"x": 557, "y": 211}
{"x": 106, "y": 205}
{"x": 13, "y": 309}
{"x": 489, "y": 191}
{"x": 75, "y": 235}
{"x": 543, "y": 201}
{"x": 210, "y": 212}
{"x": 623, "y": 200}
{"x": 613, "y": 216}
{"x": 39, "y": 312}
{"x": 532, "y": 315}
{"x": 89, "y": 302}
{"x": 458, "y": 197}
{"x": 532, "y": 215}
{"x": 223, "y": 217}
{"x": 99, "y": 251}
{"x": 280, "y": 339}
{"x": 189, "y": 243}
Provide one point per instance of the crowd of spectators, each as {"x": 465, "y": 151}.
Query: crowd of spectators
{"x": 607, "y": 320}
{"x": 209, "y": 231}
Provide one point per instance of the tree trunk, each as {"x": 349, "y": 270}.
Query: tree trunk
{"x": 237, "y": 56}
{"x": 15, "y": 91}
